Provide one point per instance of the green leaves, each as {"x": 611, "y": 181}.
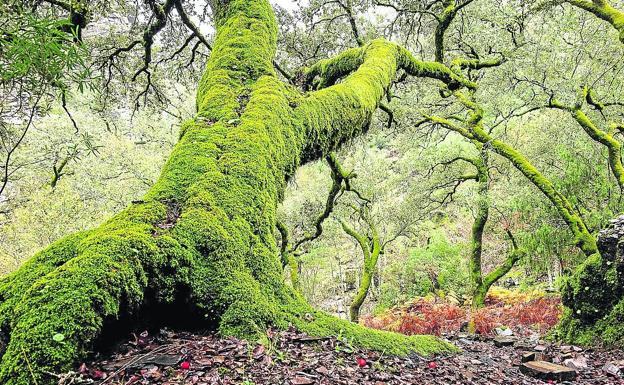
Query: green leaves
{"x": 39, "y": 50}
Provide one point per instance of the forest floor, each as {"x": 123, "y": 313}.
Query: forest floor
{"x": 291, "y": 358}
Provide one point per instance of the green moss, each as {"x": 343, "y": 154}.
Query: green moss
{"x": 607, "y": 331}
{"x": 382, "y": 341}
{"x": 594, "y": 297}
{"x": 588, "y": 292}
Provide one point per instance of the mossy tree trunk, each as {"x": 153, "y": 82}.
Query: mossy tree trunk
{"x": 495, "y": 275}
{"x": 478, "y": 227}
{"x": 202, "y": 237}
{"x": 371, "y": 248}
{"x": 481, "y": 284}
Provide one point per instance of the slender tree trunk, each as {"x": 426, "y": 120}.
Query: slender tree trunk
{"x": 478, "y": 226}
{"x": 482, "y": 284}
{"x": 370, "y": 251}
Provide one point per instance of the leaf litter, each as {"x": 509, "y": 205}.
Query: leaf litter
{"x": 293, "y": 358}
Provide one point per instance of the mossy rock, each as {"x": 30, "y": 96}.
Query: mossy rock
{"x": 594, "y": 294}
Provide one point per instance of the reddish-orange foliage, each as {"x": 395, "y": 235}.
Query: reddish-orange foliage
{"x": 422, "y": 316}
{"x": 537, "y": 315}
{"x": 428, "y": 316}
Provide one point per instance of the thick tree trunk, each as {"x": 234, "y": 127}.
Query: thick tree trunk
{"x": 202, "y": 237}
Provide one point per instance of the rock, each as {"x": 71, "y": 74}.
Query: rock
{"x": 619, "y": 364}
{"x": 501, "y": 341}
{"x": 612, "y": 369}
{"x": 578, "y": 363}
{"x": 158, "y": 359}
{"x": 523, "y": 345}
{"x": 533, "y": 356}
{"x": 301, "y": 380}
{"x": 548, "y": 371}
{"x": 503, "y": 332}
{"x": 322, "y": 370}
{"x": 528, "y": 356}
{"x": 540, "y": 348}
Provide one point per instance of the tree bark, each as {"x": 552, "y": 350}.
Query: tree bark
{"x": 202, "y": 237}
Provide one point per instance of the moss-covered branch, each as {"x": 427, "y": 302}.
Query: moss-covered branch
{"x": 583, "y": 238}
{"x": 290, "y": 254}
{"x": 603, "y": 10}
{"x": 477, "y": 64}
{"x": 338, "y": 175}
{"x": 341, "y": 111}
{"x": 614, "y": 147}
{"x": 474, "y": 130}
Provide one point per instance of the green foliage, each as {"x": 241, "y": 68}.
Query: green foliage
{"x": 438, "y": 267}
{"x": 37, "y": 51}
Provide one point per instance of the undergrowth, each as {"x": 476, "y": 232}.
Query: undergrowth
{"x": 524, "y": 313}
